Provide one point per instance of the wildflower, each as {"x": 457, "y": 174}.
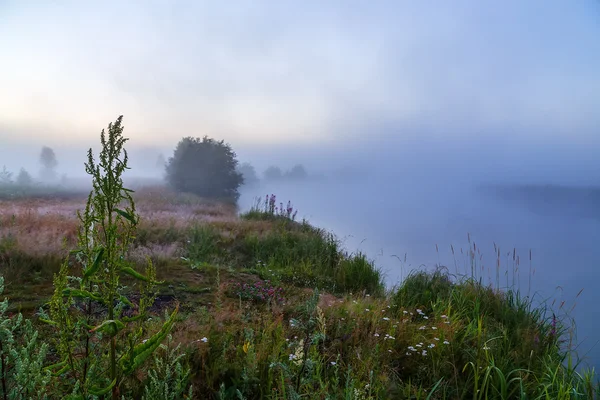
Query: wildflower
{"x": 434, "y": 327}
{"x": 431, "y": 346}
{"x": 419, "y": 311}
{"x": 292, "y": 357}
{"x": 446, "y": 342}
{"x": 444, "y": 316}
{"x": 447, "y": 322}
{"x": 411, "y": 348}
{"x": 422, "y": 328}
{"x": 405, "y": 312}
{"x": 386, "y": 319}
{"x": 376, "y": 335}
{"x": 486, "y": 347}
{"x": 246, "y": 347}
{"x": 333, "y": 363}
{"x": 436, "y": 338}
{"x": 367, "y": 310}
{"x": 425, "y": 317}
{"x": 419, "y": 345}
{"x": 368, "y": 295}
{"x": 204, "y": 339}
{"x": 408, "y": 354}
{"x": 424, "y": 353}
{"x": 390, "y": 350}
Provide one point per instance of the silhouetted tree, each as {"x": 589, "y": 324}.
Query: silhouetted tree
{"x": 205, "y": 167}
{"x": 5, "y": 176}
{"x": 297, "y": 172}
{"x": 248, "y": 173}
{"x": 273, "y": 173}
{"x": 49, "y": 163}
{"x": 24, "y": 178}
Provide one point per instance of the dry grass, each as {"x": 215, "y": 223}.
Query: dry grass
{"x": 44, "y": 226}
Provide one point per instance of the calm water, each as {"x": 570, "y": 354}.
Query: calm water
{"x": 383, "y": 220}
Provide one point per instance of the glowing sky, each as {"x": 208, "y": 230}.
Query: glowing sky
{"x": 267, "y": 72}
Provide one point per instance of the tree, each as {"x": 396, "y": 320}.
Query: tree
{"x": 5, "y": 176}
{"x": 297, "y": 173}
{"x": 205, "y": 167}
{"x": 24, "y": 178}
{"x": 161, "y": 162}
{"x": 249, "y": 174}
{"x": 273, "y": 173}
{"x": 49, "y": 163}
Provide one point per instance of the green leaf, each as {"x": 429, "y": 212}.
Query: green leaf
{"x": 126, "y": 215}
{"x": 96, "y": 264}
{"x": 135, "y": 274}
{"x": 133, "y": 319}
{"x": 101, "y": 392}
{"x": 82, "y": 294}
{"x": 125, "y": 300}
{"x": 144, "y": 350}
{"x": 63, "y": 365}
{"x": 110, "y": 327}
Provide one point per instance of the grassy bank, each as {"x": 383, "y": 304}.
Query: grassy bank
{"x": 275, "y": 308}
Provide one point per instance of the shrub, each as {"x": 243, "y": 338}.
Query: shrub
{"x": 273, "y": 173}
{"x": 24, "y": 178}
{"x": 205, "y": 167}
{"x": 249, "y": 174}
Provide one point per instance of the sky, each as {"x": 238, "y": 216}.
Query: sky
{"x": 336, "y": 79}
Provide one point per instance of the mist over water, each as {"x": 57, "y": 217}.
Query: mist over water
{"x": 398, "y": 224}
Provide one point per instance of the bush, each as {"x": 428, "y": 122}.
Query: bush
{"x": 249, "y": 174}
{"x": 205, "y": 167}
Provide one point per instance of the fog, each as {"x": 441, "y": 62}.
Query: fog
{"x": 424, "y": 120}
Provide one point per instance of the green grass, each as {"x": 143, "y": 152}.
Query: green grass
{"x": 338, "y": 333}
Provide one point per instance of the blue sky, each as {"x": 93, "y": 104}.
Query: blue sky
{"x": 288, "y": 73}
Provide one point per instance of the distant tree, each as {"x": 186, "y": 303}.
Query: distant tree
{"x": 205, "y": 167}
{"x": 297, "y": 173}
{"x": 248, "y": 173}
{"x": 49, "y": 163}
{"x": 5, "y": 176}
{"x": 160, "y": 161}
{"x": 24, "y": 178}
{"x": 273, "y": 173}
